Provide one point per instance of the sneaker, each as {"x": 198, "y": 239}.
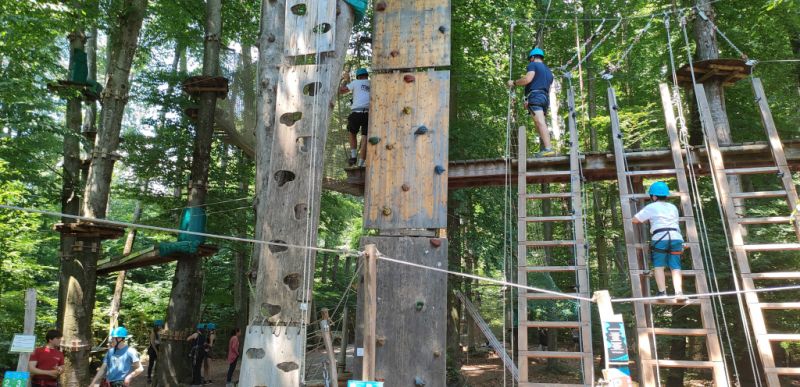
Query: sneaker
{"x": 362, "y": 163}
{"x": 545, "y": 152}
{"x": 351, "y": 161}
{"x": 661, "y": 294}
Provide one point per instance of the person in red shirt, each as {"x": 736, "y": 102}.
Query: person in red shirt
{"x": 233, "y": 354}
{"x": 47, "y": 363}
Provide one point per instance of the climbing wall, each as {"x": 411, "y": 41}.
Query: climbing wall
{"x": 309, "y": 27}
{"x": 407, "y": 176}
{"x": 406, "y": 187}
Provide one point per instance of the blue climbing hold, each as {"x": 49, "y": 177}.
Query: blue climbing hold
{"x": 421, "y": 130}
{"x": 439, "y": 169}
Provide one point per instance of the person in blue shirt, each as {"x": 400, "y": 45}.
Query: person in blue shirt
{"x": 121, "y": 363}
{"x": 537, "y": 81}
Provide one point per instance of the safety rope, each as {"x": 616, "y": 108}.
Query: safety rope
{"x": 507, "y": 216}
{"x": 718, "y": 31}
{"x": 618, "y": 64}
{"x": 580, "y": 47}
{"x": 735, "y": 276}
{"x": 596, "y": 46}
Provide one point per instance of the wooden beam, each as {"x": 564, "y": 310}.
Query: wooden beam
{"x": 370, "y": 311}
{"x": 29, "y": 323}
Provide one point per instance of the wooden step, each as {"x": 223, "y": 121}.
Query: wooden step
{"x": 548, "y": 296}
{"x": 676, "y": 331}
{"x": 556, "y": 324}
{"x": 782, "y": 336}
{"x": 652, "y": 172}
{"x": 552, "y": 195}
{"x": 548, "y": 173}
{"x": 554, "y": 354}
{"x": 783, "y": 370}
{"x": 751, "y": 171}
{"x": 667, "y": 363}
{"x": 539, "y": 219}
{"x": 766, "y": 220}
{"x": 772, "y": 247}
{"x": 547, "y": 243}
{"x": 772, "y": 275}
{"x": 778, "y": 305}
{"x": 552, "y": 269}
{"x": 758, "y": 195}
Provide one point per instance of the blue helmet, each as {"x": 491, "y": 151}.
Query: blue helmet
{"x": 211, "y": 326}
{"x": 158, "y": 323}
{"x": 201, "y": 326}
{"x": 361, "y": 71}
{"x": 536, "y": 51}
{"x": 658, "y": 188}
{"x": 119, "y": 332}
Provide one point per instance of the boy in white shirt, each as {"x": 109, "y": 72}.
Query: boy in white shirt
{"x": 667, "y": 241}
{"x": 358, "y": 120}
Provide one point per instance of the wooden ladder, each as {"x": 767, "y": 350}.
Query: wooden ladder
{"x": 743, "y": 250}
{"x": 637, "y": 244}
{"x": 578, "y": 267}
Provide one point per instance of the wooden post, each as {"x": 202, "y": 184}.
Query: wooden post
{"x": 370, "y": 310}
{"x": 325, "y": 327}
{"x": 119, "y": 285}
{"x": 29, "y": 325}
{"x": 343, "y": 354}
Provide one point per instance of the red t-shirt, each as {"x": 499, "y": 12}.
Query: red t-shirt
{"x": 47, "y": 359}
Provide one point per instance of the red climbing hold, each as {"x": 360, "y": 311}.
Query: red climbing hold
{"x": 408, "y": 78}
{"x": 436, "y": 242}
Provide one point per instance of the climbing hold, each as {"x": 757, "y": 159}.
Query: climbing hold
{"x": 405, "y": 187}
{"x": 422, "y": 129}
{"x": 282, "y": 177}
{"x": 408, "y": 78}
{"x": 380, "y": 7}
{"x": 289, "y": 119}
{"x": 387, "y": 211}
{"x": 292, "y": 281}
{"x": 436, "y": 242}
{"x": 270, "y": 309}
{"x": 419, "y": 305}
{"x": 288, "y": 366}
{"x": 255, "y": 353}
{"x": 380, "y": 341}
{"x": 418, "y": 381}
{"x": 374, "y": 140}
{"x": 389, "y": 146}
{"x": 322, "y": 28}
{"x": 439, "y": 169}
{"x": 299, "y": 9}
{"x": 277, "y": 248}
{"x": 394, "y": 53}
{"x": 407, "y": 110}
{"x": 437, "y": 353}
{"x": 442, "y": 29}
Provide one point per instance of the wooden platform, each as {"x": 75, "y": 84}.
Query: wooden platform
{"x": 148, "y": 257}
{"x": 200, "y": 84}
{"x": 66, "y": 89}
{"x": 90, "y": 230}
{"x": 596, "y": 166}
{"x": 727, "y": 71}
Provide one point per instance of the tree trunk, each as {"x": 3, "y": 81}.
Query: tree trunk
{"x": 119, "y": 285}
{"x": 90, "y": 115}
{"x": 186, "y": 295}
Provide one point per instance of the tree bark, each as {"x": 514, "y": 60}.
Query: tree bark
{"x": 119, "y": 284}
{"x": 186, "y": 295}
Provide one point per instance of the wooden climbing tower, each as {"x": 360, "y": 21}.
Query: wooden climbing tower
{"x": 578, "y": 266}
{"x": 637, "y": 242}
{"x": 747, "y": 253}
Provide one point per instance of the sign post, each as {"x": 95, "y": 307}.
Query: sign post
{"x": 617, "y": 373}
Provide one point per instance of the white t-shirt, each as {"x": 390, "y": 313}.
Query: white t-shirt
{"x": 360, "y": 89}
{"x": 661, "y": 215}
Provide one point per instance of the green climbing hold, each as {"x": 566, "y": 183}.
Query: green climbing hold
{"x": 374, "y": 140}
{"x": 419, "y": 305}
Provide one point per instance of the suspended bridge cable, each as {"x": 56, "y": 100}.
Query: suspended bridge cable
{"x": 611, "y": 68}
{"x": 585, "y": 43}
{"x": 596, "y": 46}
{"x": 735, "y": 277}
{"x": 507, "y": 164}
{"x": 698, "y": 205}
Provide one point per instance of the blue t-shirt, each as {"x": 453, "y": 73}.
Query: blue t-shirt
{"x": 119, "y": 363}
{"x": 541, "y": 80}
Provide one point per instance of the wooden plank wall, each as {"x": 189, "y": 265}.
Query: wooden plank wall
{"x": 306, "y": 34}
{"x": 411, "y": 320}
{"x": 404, "y": 189}
{"x": 411, "y": 33}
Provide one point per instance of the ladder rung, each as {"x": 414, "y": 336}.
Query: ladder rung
{"x": 667, "y": 363}
{"x": 751, "y": 171}
{"x": 782, "y": 336}
{"x": 548, "y": 243}
{"x": 779, "y": 305}
{"x": 676, "y": 331}
{"x": 766, "y": 220}
{"x": 548, "y": 296}
{"x": 683, "y": 272}
{"x": 535, "y": 219}
{"x": 555, "y": 324}
{"x": 773, "y": 247}
{"x": 758, "y": 195}
{"x": 783, "y": 370}
{"x": 554, "y": 354}
{"x": 552, "y": 195}
{"x": 652, "y": 172}
{"x": 548, "y": 173}
{"x": 550, "y": 269}
{"x": 773, "y": 275}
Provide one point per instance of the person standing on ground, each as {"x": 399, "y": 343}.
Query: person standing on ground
{"x": 358, "y": 120}
{"x": 47, "y": 363}
{"x": 667, "y": 241}
{"x": 121, "y": 364}
{"x": 198, "y": 352}
{"x": 152, "y": 349}
{"x": 233, "y": 355}
{"x": 537, "y": 81}
{"x": 212, "y": 338}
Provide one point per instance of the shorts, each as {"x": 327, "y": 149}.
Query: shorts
{"x": 538, "y": 101}
{"x": 358, "y": 121}
{"x": 662, "y": 258}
